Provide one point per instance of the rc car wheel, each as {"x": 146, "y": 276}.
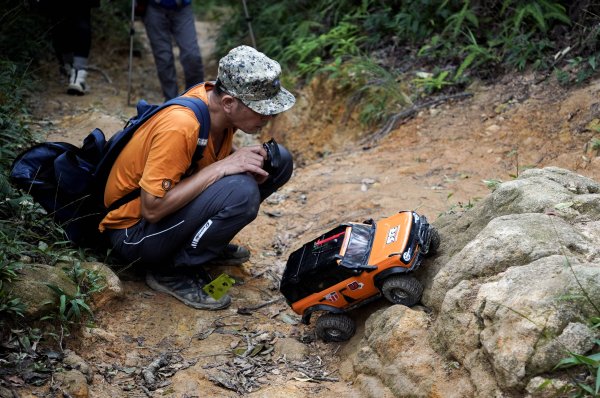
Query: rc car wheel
{"x": 402, "y": 289}
{"x": 335, "y": 327}
{"x": 434, "y": 242}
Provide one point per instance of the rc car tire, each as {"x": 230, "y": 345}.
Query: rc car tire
{"x": 434, "y": 242}
{"x": 335, "y": 327}
{"x": 402, "y": 289}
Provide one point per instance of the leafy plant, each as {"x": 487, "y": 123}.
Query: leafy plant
{"x": 540, "y": 12}
{"x": 370, "y": 87}
{"x": 461, "y": 20}
{"x": 431, "y": 83}
{"x": 74, "y": 308}
{"x": 71, "y": 308}
{"x": 89, "y": 281}
{"x": 476, "y": 55}
{"x": 592, "y": 365}
{"x": 340, "y": 41}
{"x": 523, "y": 49}
{"x": 10, "y": 306}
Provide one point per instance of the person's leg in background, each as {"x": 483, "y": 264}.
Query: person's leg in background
{"x": 71, "y": 34}
{"x": 81, "y": 42}
{"x": 61, "y": 43}
{"x": 184, "y": 30}
{"x": 158, "y": 25}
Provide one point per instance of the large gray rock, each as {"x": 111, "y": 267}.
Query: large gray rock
{"x": 551, "y": 190}
{"x": 520, "y": 320}
{"x": 513, "y": 284}
{"x": 508, "y": 241}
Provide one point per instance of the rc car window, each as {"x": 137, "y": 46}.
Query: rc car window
{"x": 359, "y": 246}
{"x": 326, "y": 279}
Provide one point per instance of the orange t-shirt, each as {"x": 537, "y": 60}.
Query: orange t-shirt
{"x": 157, "y": 158}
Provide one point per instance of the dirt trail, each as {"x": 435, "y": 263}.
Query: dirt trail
{"x": 433, "y": 163}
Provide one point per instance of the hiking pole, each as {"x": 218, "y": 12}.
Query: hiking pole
{"x": 131, "y": 32}
{"x": 249, "y": 20}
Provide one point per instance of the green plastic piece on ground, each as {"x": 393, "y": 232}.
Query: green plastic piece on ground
{"x": 219, "y": 286}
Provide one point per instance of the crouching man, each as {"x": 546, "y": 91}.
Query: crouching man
{"x": 187, "y": 214}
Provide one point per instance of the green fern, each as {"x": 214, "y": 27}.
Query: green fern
{"x": 540, "y": 12}
{"x": 476, "y": 55}
{"x": 456, "y": 23}
{"x": 71, "y": 308}
{"x": 371, "y": 87}
{"x": 432, "y": 83}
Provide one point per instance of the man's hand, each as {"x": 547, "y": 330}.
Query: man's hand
{"x": 248, "y": 159}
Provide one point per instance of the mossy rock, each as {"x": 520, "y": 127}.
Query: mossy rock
{"x": 31, "y": 287}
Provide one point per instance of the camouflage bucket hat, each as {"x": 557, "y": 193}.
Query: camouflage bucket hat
{"x": 253, "y": 78}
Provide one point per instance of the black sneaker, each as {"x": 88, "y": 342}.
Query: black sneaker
{"x": 186, "y": 289}
{"x": 231, "y": 255}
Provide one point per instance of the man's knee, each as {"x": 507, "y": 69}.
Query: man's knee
{"x": 241, "y": 193}
{"x": 286, "y": 165}
{"x": 280, "y": 175}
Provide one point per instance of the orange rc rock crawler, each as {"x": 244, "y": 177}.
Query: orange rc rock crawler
{"x": 354, "y": 264}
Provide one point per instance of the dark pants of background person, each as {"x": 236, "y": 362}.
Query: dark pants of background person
{"x": 71, "y": 30}
{"x": 162, "y": 25}
{"x": 200, "y": 231}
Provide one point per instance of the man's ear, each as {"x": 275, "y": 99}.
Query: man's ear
{"x": 228, "y": 103}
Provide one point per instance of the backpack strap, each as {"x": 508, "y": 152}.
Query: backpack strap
{"x": 200, "y": 109}
{"x": 202, "y": 114}
{"x": 125, "y": 199}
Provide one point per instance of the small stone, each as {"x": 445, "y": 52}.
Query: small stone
{"x": 73, "y": 382}
{"x": 292, "y": 349}
{"x": 494, "y": 128}
{"x": 74, "y": 361}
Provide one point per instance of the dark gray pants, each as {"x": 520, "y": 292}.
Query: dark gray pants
{"x": 162, "y": 25}
{"x": 199, "y": 232}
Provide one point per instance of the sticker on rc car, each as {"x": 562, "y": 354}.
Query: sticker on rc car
{"x": 333, "y": 297}
{"x": 354, "y": 285}
{"x": 407, "y": 255}
{"x": 392, "y": 235}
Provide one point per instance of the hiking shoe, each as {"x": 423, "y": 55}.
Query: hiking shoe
{"x": 231, "y": 255}
{"x": 77, "y": 85}
{"x": 187, "y": 289}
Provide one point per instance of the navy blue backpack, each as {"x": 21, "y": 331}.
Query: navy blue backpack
{"x": 68, "y": 182}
